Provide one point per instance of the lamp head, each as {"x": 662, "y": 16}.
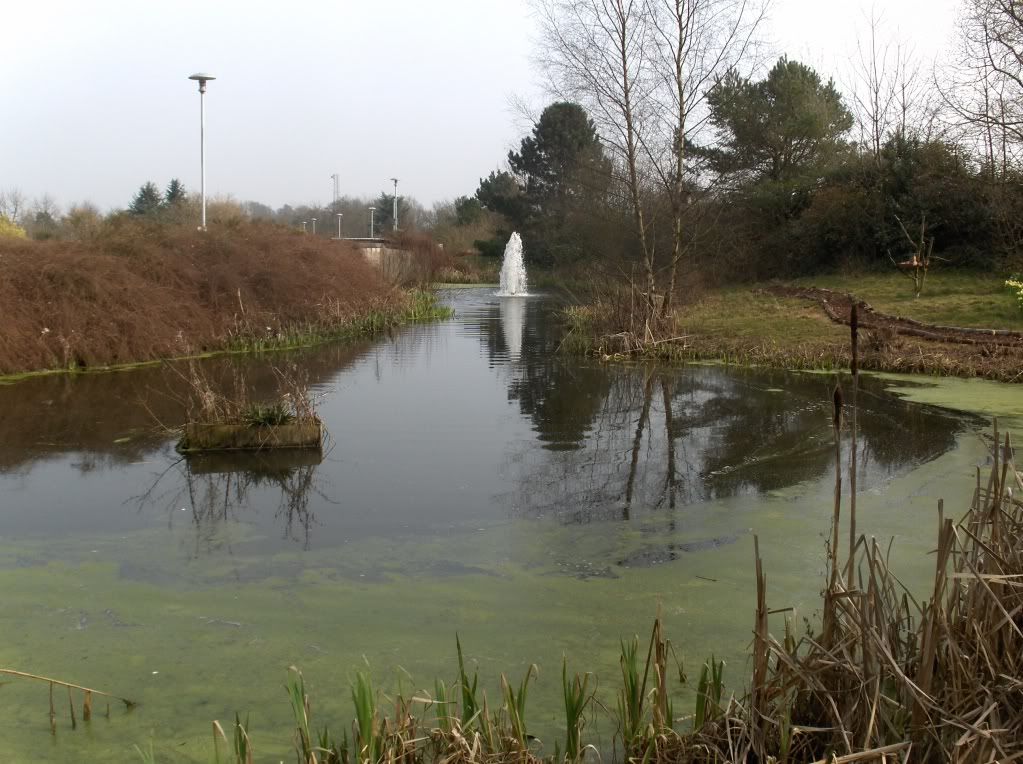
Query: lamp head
{"x": 202, "y": 79}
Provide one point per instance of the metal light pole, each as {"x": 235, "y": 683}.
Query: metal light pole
{"x": 314, "y": 226}
{"x": 202, "y": 79}
{"x": 372, "y": 212}
{"x": 303, "y": 226}
{"x": 339, "y": 216}
{"x": 395, "y": 204}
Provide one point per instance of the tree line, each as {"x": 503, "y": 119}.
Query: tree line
{"x": 42, "y": 218}
{"x": 671, "y": 152}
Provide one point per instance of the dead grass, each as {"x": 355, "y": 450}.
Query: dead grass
{"x": 140, "y": 292}
{"x": 421, "y": 261}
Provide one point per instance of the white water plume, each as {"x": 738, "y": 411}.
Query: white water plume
{"x": 513, "y": 324}
{"x": 513, "y": 270}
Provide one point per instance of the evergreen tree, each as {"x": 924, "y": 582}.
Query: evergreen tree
{"x": 175, "y": 193}
{"x": 780, "y": 129}
{"x": 563, "y": 175}
{"x": 147, "y": 201}
{"x": 562, "y": 158}
{"x": 383, "y": 218}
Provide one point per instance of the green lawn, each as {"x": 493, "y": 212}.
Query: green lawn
{"x": 740, "y": 313}
{"x": 950, "y": 297}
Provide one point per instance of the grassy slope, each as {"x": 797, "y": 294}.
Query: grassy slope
{"x": 949, "y": 297}
{"x": 960, "y": 299}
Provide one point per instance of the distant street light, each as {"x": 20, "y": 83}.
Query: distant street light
{"x": 395, "y": 204}
{"x": 314, "y": 226}
{"x": 339, "y": 216}
{"x": 372, "y": 211}
{"x": 303, "y": 226}
{"x": 202, "y": 79}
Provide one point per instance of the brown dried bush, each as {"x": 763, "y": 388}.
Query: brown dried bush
{"x": 140, "y": 291}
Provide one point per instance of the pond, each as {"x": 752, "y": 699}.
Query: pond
{"x": 478, "y": 483}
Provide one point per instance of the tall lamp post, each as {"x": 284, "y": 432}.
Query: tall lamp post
{"x": 202, "y": 79}
{"x": 314, "y": 226}
{"x": 395, "y": 215}
{"x": 372, "y": 212}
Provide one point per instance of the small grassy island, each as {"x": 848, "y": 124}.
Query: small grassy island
{"x": 219, "y": 421}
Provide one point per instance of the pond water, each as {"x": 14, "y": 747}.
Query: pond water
{"x": 478, "y": 483}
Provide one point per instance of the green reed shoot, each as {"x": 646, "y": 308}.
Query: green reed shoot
{"x": 516, "y": 704}
{"x": 631, "y": 696}
{"x": 444, "y": 702}
{"x": 577, "y": 697}
{"x": 470, "y": 703}
{"x": 368, "y": 742}
{"x": 334, "y": 753}
{"x": 300, "y": 708}
{"x": 708, "y": 692}
{"x": 242, "y": 743}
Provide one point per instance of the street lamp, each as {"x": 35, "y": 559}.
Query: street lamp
{"x": 202, "y": 79}
{"x": 303, "y": 226}
{"x": 395, "y": 204}
{"x": 339, "y": 216}
{"x": 314, "y": 226}
{"x": 372, "y": 211}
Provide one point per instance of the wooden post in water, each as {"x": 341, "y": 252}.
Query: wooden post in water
{"x": 854, "y": 367}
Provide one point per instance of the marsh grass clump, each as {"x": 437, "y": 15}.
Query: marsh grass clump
{"x": 223, "y": 417}
{"x": 267, "y": 414}
{"x": 231, "y": 404}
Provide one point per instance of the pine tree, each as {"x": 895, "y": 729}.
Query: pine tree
{"x": 147, "y": 201}
{"x": 175, "y": 193}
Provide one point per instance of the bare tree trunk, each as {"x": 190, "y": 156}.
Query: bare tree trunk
{"x": 670, "y": 479}
{"x": 637, "y": 443}
{"x": 682, "y": 13}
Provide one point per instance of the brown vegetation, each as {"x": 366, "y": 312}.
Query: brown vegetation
{"x": 140, "y": 291}
{"x": 422, "y": 260}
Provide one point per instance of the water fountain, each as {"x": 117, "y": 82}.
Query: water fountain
{"x": 513, "y": 270}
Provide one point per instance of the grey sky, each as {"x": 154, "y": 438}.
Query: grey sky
{"x": 97, "y": 101}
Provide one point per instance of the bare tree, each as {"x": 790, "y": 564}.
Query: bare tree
{"x": 598, "y": 52}
{"x": 986, "y": 89}
{"x": 887, "y": 89}
{"x": 642, "y": 69}
{"x": 12, "y": 204}
{"x": 697, "y": 41}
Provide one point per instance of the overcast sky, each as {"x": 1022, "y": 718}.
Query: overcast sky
{"x": 96, "y": 99}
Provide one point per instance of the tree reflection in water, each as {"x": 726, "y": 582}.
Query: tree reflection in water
{"x": 219, "y": 487}
{"x": 620, "y": 442}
